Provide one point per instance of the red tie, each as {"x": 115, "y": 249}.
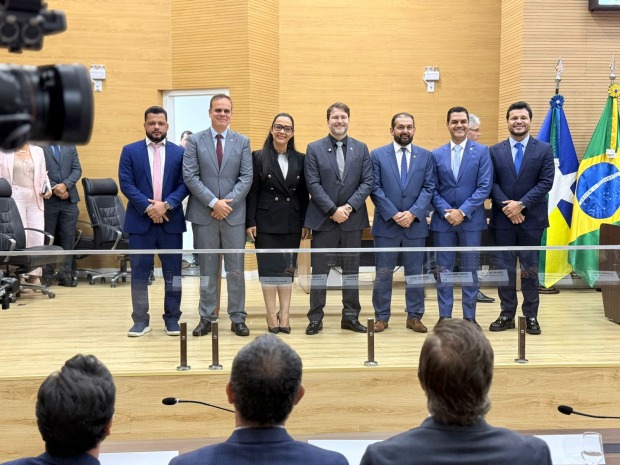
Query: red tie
{"x": 218, "y": 150}
{"x": 156, "y": 172}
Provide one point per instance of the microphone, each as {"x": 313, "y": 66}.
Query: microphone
{"x": 174, "y": 401}
{"x": 567, "y": 410}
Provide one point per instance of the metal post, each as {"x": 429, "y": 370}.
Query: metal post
{"x": 215, "y": 348}
{"x": 370, "y": 331}
{"x": 522, "y": 326}
{"x": 183, "y": 342}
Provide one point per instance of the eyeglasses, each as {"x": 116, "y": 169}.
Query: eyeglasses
{"x": 279, "y": 127}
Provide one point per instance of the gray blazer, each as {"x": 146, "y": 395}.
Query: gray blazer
{"x": 434, "y": 443}
{"x": 206, "y": 181}
{"x": 68, "y": 171}
{"x": 327, "y": 190}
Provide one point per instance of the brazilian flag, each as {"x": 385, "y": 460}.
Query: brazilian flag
{"x": 554, "y": 130}
{"x": 597, "y": 198}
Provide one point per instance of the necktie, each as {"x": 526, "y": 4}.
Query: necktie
{"x": 518, "y": 156}
{"x": 340, "y": 158}
{"x": 56, "y": 152}
{"x": 456, "y": 160}
{"x": 403, "y": 168}
{"x": 156, "y": 172}
{"x": 218, "y": 150}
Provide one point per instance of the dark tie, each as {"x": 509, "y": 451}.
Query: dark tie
{"x": 56, "y": 152}
{"x": 218, "y": 150}
{"x": 518, "y": 156}
{"x": 340, "y": 158}
{"x": 403, "y": 168}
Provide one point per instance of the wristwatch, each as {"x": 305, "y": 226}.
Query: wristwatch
{"x": 522, "y": 205}
{"x": 168, "y": 206}
{"x": 348, "y": 208}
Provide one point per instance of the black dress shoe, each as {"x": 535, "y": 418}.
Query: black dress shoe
{"x": 485, "y": 299}
{"x": 203, "y": 328}
{"x": 353, "y": 325}
{"x": 275, "y": 330}
{"x": 240, "y": 329}
{"x": 532, "y": 326}
{"x": 314, "y": 327}
{"x": 474, "y": 322}
{"x": 285, "y": 329}
{"x": 502, "y": 324}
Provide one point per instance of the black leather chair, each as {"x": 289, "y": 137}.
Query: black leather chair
{"x": 107, "y": 216}
{"x": 13, "y": 239}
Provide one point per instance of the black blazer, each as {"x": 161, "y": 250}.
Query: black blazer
{"x": 276, "y": 205}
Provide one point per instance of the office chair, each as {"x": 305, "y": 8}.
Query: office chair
{"x": 107, "y": 216}
{"x": 13, "y": 238}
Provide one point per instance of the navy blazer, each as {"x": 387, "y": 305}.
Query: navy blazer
{"x": 466, "y": 193}
{"x": 67, "y": 171}
{"x": 327, "y": 190}
{"x": 529, "y": 186}
{"x": 390, "y": 197}
{"x": 136, "y": 183}
{"x": 276, "y": 205}
{"x": 435, "y": 443}
{"x": 260, "y": 446}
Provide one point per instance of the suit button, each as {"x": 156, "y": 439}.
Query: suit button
{"x": 269, "y": 176}
{"x": 271, "y": 189}
{"x": 288, "y": 200}
{"x": 276, "y": 199}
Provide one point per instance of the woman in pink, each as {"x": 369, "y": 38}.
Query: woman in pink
{"x": 26, "y": 172}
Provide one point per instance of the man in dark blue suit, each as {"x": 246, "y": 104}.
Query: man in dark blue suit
{"x": 265, "y": 385}
{"x": 402, "y": 189}
{"x": 523, "y": 171}
{"x": 464, "y": 178}
{"x": 455, "y": 371}
{"x": 151, "y": 177}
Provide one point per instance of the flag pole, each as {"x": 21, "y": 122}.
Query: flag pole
{"x": 612, "y": 70}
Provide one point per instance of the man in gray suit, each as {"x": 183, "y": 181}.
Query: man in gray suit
{"x": 455, "y": 372}
{"x": 217, "y": 169}
{"x": 61, "y": 210}
{"x": 339, "y": 177}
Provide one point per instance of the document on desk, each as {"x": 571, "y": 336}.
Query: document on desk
{"x": 565, "y": 448}
{"x": 138, "y": 458}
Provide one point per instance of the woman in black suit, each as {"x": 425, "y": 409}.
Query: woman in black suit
{"x": 276, "y": 206}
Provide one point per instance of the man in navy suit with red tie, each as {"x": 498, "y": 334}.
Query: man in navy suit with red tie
{"x": 523, "y": 171}
{"x": 402, "y": 189}
{"x": 151, "y": 177}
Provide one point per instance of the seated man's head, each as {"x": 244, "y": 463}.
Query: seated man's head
{"x": 455, "y": 371}
{"x": 265, "y": 382}
{"x": 75, "y": 406}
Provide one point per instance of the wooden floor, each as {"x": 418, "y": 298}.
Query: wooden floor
{"x": 575, "y": 361}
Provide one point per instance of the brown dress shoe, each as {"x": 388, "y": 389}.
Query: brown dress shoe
{"x": 380, "y": 326}
{"x": 416, "y": 325}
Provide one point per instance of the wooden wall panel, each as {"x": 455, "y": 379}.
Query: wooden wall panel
{"x": 372, "y": 55}
{"x": 584, "y": 40}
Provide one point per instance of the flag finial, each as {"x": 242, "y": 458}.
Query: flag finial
{"x": 559, "y": 69}
{"x": 612, "y": 69}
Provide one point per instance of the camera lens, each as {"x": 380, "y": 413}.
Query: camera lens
{"x": 45, "y": 104}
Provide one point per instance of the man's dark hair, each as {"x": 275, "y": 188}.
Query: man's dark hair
{"x": 188, "y": 132}
{"x": 455, "y": 371}
{"x": 456, "y": 110}
{"x": 341, "y": 106}
{"x": 402, "y": 115}
{"x": 265, "y": 379}
{"x": 218, "y": 97}
{"x": 155, "y": 110}
{"x": 75, "y": 406}
{"x": 519, "y": 106}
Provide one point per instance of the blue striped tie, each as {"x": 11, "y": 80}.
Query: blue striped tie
{"x": 518, "y": 156}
